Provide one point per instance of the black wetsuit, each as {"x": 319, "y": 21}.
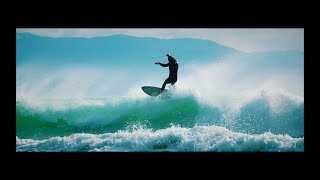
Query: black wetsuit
{"x": 173, "y": 72}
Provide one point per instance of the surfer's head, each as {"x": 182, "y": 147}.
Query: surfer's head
{"x": 170, "y": 58}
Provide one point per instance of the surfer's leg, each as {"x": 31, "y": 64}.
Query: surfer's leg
{"x": 167, "y": 81}
{"x": 172, "y": 81}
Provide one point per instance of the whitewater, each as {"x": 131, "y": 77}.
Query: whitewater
{"x": 236, "y": 104}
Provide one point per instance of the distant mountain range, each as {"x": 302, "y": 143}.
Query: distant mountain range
{"x": 116, "y": 50}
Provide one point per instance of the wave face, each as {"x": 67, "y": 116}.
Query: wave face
{"x": 101, "y": 116}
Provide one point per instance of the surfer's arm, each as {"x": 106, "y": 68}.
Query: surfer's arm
{"x": 163, "y": 65}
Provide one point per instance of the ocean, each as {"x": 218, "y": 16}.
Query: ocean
{"x": 242, "y": 102}
{"x": 180, "y": 123}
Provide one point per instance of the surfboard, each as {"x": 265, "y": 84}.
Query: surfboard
{"x": 154, "y": 91}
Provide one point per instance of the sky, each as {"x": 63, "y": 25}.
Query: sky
{"x": 246, "y": 40}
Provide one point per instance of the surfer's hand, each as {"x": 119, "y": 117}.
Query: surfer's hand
{"x": 157, "y": 63}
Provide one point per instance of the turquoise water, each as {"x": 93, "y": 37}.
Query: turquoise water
{"x": 181, "y": 123}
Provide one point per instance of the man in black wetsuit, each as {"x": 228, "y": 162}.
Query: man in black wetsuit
{"x": 173, "y": 71}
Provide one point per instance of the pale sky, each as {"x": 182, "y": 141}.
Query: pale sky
{"x": 247, "y": 40}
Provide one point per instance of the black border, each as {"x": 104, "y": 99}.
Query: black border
{"x": 257, "y": 14}
{"x": 270, "y": 164}
{"x": 162, "y": 14}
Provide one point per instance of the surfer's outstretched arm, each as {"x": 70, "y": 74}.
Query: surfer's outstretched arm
{"x": 163, "y": 65}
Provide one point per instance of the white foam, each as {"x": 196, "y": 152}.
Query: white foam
{"x": 198, "y": 138}
{"x": 227, "y": 83}
{"x": 233, "y": 82}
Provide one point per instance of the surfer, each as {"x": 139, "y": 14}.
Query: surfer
{"x": 173, "y": 71}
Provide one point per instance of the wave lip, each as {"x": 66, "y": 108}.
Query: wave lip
{"x": 195, "y": 139}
